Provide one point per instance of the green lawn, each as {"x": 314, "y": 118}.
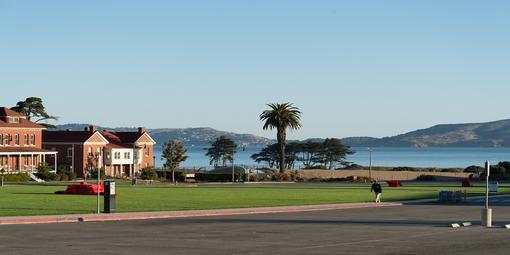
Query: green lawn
{"x": 32, "y": 199}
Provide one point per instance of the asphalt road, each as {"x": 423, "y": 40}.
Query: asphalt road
{"x": 409, "y": 229}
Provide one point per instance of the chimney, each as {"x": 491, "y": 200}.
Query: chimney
{"x": 86, "y": 129}
{"x": 91, "y": 128}
{"x": 141, "y": 130}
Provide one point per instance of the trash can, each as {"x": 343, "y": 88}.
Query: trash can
{"x": 110, "y": 203}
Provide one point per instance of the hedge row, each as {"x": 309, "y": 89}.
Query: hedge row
{"x": 17, "y": 177}
{"x": 208, "y": 177}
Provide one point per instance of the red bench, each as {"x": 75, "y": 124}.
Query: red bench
{"x": 394, "y": 184}
{"x": 83, "y": 189}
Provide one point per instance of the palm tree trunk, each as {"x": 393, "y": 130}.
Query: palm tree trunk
{"x": 281, "y": 143}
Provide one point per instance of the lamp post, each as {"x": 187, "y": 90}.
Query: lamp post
{"x": 487, "y": 212}
{"x": 370, "y": 164}
{"x": 233, "y": 169}
{"x": 98, "y": 183}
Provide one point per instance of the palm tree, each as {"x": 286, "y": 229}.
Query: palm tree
{"x": 281, "y": 117}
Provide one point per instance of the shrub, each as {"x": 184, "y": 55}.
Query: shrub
{"x": 23, "y": 177}
{"x": 474, "y": 169}
{"x": 44, "y": 172}
{"x": 94, "y": 174}
{"x": 497, "y": 172}
{"x": 209, "y": 177}
{"x": 179, "y": 176}
{"x": 403, "y": 168}
{"x": 149, "y": 173}
{"x": 425, "y": 177}
{"x": 506, "y": 165}
{"x": 65, "y": 174}
{"x": 288, "y": 176}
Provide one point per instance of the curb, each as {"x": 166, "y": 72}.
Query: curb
{"x": 182, "y": 214}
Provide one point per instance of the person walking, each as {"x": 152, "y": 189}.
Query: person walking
{"x": 377, "y": 189}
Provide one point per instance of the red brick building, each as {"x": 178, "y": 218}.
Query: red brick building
{"x": 80, "y": 151}
{"x": 21, "y": 144}
{"x": 120, "y": 154}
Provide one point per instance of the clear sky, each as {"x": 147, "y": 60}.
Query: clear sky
{"x": 355, "y": 68}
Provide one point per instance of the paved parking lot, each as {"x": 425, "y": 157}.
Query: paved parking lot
{"x": 408, "y": 229}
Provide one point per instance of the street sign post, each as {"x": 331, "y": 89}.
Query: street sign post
{"x": 487, "y": 212}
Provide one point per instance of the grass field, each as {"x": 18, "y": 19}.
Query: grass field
{"x": 32, "y": 199}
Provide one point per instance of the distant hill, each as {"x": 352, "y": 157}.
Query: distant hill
{"x": 191, "y": 137}
{"x": 490, "y": 134}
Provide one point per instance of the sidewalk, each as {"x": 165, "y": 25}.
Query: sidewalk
{"x": 181, "y": 214}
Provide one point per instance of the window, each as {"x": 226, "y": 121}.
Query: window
{"x": 70, "y": 152}
{"x": 127, "y": 155}
{"x": 13, "y": 119}
{"x": 147, "y": 150}
{"x": 90, "y": 151}
{"x": 32, "y": 138}
{"x": 26, "y": 161}
{"x": 27, "y": 139}
{"x": 16, "y": 139}
{"x": 8, "y": 139}
{"x": 116, "y": 155}
{"x": 1, "y": 139}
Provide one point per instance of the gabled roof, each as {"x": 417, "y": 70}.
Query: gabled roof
{"x": 69, "y": 136}
{"x": 123, "y": 139}
{"x": 5, "y": 113}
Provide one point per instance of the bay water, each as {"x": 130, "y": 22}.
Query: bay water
{"x": 389, "y": 157}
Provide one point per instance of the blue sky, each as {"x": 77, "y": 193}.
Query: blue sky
{"x": 372, "y": 68}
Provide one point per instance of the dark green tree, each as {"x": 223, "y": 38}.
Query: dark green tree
{"x": 281, "y": 117}
{"x": 33, "y": 109}
{"x": 308, "y": 153}
{"x": 221, "y": 150}
{"x": 332, "y": 152}
{"x": 271, "y": 155}
{"x": 174, "y": 153}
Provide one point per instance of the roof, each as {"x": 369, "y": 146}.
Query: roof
{"x": 122, "y": 139}
{"x": 23, "y": 123}
{"x": 4, "y": 112}
{"x": 66, "y": 136}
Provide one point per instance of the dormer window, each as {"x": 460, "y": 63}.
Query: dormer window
{"x": 13, "y": 119}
